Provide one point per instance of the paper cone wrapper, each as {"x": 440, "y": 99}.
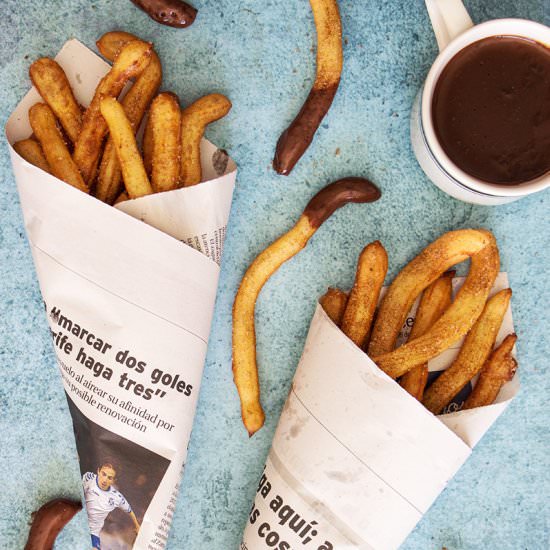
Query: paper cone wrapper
{"x": 356, "y": 461}
{"x": 129, "y": 294}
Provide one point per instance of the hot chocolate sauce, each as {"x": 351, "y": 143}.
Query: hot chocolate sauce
{"x": 491, "y": 109}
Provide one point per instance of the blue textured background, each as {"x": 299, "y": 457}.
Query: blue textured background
{"x": 260, "y": 55}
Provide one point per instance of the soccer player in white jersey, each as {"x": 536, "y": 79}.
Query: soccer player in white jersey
{"x": 102, "y": 498}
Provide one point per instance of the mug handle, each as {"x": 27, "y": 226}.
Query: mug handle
{"x": 449, "y": 18}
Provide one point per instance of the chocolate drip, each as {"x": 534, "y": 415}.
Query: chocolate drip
{"x": 296, "y": 138}
{"x": 337, "y": 194}
{"x": 48, "y": 521}
{"x": 173, "y": 13}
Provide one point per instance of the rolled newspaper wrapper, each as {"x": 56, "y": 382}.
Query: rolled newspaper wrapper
{"x": 129, "y": 294}
{"x": 356, "y": 461}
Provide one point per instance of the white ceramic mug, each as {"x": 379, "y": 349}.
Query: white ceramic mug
{"x": 454, "y": 31}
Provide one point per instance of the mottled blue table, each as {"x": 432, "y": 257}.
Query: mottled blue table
{"x": 259, "y": 54}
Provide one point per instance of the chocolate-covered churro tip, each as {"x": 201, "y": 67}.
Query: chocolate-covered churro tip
{"x": 297, "y": 137}
{"x": 173, "y": 13}
{"x": 337, "y": 194}
{"x": 48, "y": 521}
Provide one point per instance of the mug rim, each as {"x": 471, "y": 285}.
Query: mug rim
{"x": 494, "y": 27}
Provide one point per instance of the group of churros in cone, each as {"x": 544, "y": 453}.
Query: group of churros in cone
{"x": 95, "y": 149}
{"x": 374, "y": 325}
{"x": 439, "y": 321}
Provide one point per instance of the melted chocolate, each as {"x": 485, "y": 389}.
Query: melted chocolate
{"x": 174, "y": 13}
{"x": 48, "y": 521}
{"x": 337, "y": 194}
{"x": 296, "y": 138}
{"x": 491, "y": 109}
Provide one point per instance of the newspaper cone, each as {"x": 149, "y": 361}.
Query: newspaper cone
{"x": 130, "y": 307}
{"x": 356, "y": 461}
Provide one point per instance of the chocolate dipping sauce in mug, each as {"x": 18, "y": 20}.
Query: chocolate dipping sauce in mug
{"x": 480, "y": 126}
{"x": 491, "y": 109}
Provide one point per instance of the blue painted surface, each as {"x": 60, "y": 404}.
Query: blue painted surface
{"x": 258, "y": 53}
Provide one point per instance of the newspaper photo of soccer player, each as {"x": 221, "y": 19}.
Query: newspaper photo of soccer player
{"x": 101, "y": 498}
{"x": 119, "y": 481}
